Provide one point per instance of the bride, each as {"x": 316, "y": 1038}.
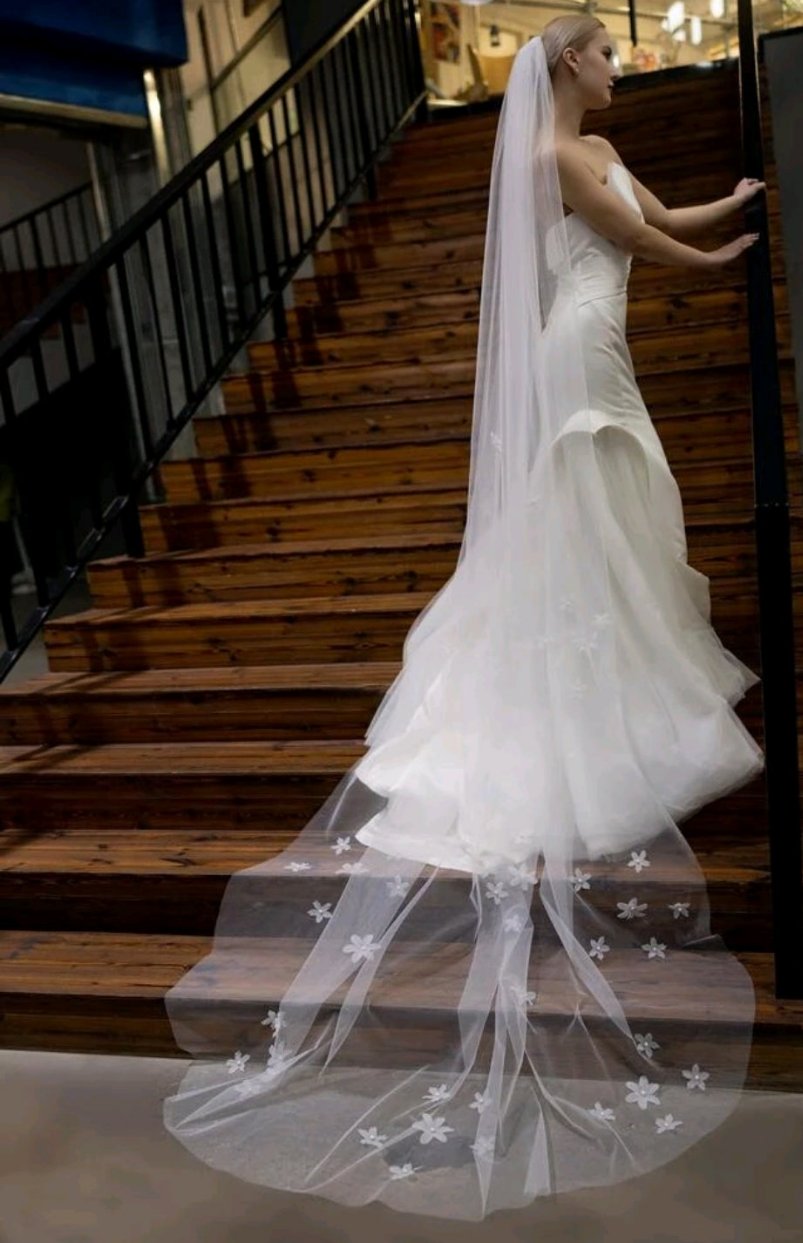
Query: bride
{"x": 484, "y": 971}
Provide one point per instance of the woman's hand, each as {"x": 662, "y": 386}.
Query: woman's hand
{"x": 732, "y": 250}
{"x": 747, "y": 188}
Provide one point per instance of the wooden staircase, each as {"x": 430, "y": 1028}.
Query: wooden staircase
{"x": 195, "y": 718}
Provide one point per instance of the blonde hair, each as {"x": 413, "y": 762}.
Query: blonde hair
{"x": 568, "y": 31}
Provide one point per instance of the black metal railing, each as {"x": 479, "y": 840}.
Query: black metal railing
{"x": 39, "y": 249}
{"x": 773, "y": 550}
{"x": 98, "y": 383}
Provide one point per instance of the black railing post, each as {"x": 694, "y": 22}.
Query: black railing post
{"x": 362, "y": 116}
{"x": 422, "y": 111}
{"x": 260, "y": 167}
{"x": 773, "y": 553}
{"x": 121, "y": 463}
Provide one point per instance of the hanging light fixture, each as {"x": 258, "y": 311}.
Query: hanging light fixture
{"x": 717, "y": 8}
{"x": 676, "y": 13}
{"x": 696, "y": 29}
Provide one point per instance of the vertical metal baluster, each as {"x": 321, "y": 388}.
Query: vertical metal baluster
{"x": 314, "y": 97}
{"x": 398, "y": 10}
{"x": 293, "y": 175}
{"x": 336, "y": 145}
{"x": 379, "y": 72}
{"x": 64, "y": 528}
{"x": 6, "y": 610}
{"x": 53, "y": 239}
{"x": 231, "y": 226}
{"x": 281, "y": 204}
{"x": 214, "y": 259}
{"x": 68, "y": 230}
{"x": 303, "y": 110}
{"x": 73, "y": 372}
{"x": 259, "y": 164}
{"x": 179, "y": 319}
{"x": 8, "y": 293}
{"x": 27, "y": 285}
{"x": 366, "y": 87}
{"x": 343, "y": 78}
{"x": 419, "y": 82}
{"x": 362, "y": 119}
{"x": 121, "y": 461}
{"x": 38, "y": 257}
{"x": 393, "y": 59}
{"x": 250, "y": 237}
{"x": 135, "y": 361}
{"x": 145, "y": 255}
{"x": 88, "y": 245}
{"x": 197, "y": 283}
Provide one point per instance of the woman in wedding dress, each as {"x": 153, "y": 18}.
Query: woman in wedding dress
{"x": 484, "y": 971}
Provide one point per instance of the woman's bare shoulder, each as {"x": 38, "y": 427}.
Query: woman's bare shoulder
{"x": 603, "y": 144}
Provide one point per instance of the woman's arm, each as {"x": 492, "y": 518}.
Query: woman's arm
{"x": 611, "y": 217}
{"x": 681, "y": 221}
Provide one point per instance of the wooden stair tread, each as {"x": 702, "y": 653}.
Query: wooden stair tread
{"x": 187, "y": 852}
{"x": 130, "y": 969}
{"x": 239, "y": 679}
{"x": 686, "y": 344}
{"x": 248, "y": 552}
{"x": 178, "y": 759}
{"x": 302, "y": 605}
{"x": 369, "y": 604}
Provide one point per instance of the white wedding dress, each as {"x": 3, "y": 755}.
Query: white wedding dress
{"x": 679, "y": 680}
{"x": 484, "y": 971}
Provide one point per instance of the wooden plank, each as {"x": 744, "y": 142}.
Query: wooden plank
{"x": 173, "y": 881}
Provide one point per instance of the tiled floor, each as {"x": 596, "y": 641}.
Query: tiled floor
{"x": 84, "y": 1159}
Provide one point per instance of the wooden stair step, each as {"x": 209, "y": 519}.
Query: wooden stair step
{"x": 299, "y": 471}
{"x": 353, "y": 566}
{"x": 157, "y": 881}
{"x": 297, "y": 631}
{"x": 104, "y": 993}
{"x": 232, "y": 786}
{"x": 683, "y": 352}
{"x": 466, "y": 218}
{"x": 312, "y": 330}
{"x": 345, "y": 285}
{"x": 462, "y": 248}
{"x": 428, "y": 508}
{"x": 425, "y": 334}
{"x": 171, "y": 786}
{"x": 473, "y": 168}
{"x": 239, "y": 703}
{"x": 332, "y": 566}
{"x": 254, "y": 422}
{"x": 249, "y": 703}
{"x": 433, "y": 509}
{"x": 399, "y": 466}
{"x": 443, "y": 213}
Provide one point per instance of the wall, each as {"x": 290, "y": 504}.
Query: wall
{"x": 37, "y": 165}
{"x": 308, "y": 21}
{"x": 228, "y": 31}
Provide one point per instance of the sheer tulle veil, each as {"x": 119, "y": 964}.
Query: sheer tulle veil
{"x": 484, "y": 970}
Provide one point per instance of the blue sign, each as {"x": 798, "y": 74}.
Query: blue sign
{"x": 88, "y": 55}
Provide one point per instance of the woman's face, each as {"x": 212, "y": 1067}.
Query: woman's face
{"x": 597, "y": 73}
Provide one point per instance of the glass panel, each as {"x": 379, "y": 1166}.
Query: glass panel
{"x": 468, "y": 48}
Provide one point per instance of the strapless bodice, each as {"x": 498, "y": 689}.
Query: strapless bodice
{"x": 600, "y": 268}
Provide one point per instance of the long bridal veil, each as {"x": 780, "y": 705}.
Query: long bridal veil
{"x": 484, "y": 970}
